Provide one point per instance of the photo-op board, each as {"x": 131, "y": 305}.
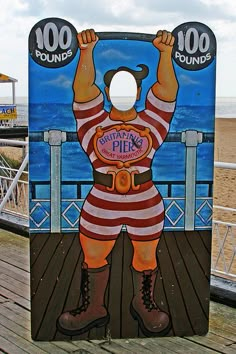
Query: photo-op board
{"x": 120, "y": 186}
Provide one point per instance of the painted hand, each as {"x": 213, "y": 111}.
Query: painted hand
{"x": 164, "y": 41}
{"x": 87, "y": 39}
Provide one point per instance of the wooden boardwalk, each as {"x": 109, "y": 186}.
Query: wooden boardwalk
{"x": 15, "y": 331}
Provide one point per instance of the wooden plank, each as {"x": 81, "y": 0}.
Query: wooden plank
{"x": 21, "y": 276}
{"x": 196, "y": 315}
{"x": 20, "y": 341}
{"x": 3, "y": 299}
{"x": 15, "y": 297}
{"x": 129, "y": 326}
{"x": 208, "y": 343}
{"x": 223, "y": 321}
{"x": 57, "y": 299}
{"x": 9, "y": 347}
{"x": 115, "y": 348}
{"x": 22, "y": 337}
{"x": 16, "y": 251}
{"x": 189, "y": 346}
{"x": 17, "y": 309}
{"x": 180, "y": 320}
{"x": 11, "y": 315}
{"x": 68, "y": 346}
{"x": 206, "y": 237}
{"x": 88, "y": 347}
{"x": 11, "y": 259}
{"x": 39, "y": 268}
{"x": 11, "y": 238}
{"x": 133, "y": 346}
{"x": 49, "y": 281}
{"x": 37, "y": 243}
{"x": 198, "y": 277}
{"x": 13, "y": 284}
{"x": 163, "y": 345}
{"x": 73, "y": 296}
{"x": 8, "y": 268}
{"x": 115, "y": 288}
{"x": 219, "y": 339}
{"x": 200, "y": 251}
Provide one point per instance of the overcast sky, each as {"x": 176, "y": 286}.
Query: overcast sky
{"x": 145, "y": 16}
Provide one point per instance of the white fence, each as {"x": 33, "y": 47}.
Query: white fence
{"x": 14, "y": 185}
{"x": 224, "y": 238}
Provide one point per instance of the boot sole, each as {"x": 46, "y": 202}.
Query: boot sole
{"x": 145, "y": 331}
{"x": 100, "y": 322}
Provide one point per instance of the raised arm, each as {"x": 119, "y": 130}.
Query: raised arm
{"x": 84, "y": 86}
{"x": 166, "y": 86}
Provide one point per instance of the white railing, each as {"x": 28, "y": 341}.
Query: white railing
{"x": 14, "y": 185}
{"x": 224, "y": 238}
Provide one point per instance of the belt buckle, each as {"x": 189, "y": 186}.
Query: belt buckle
{"x": 134, "y": 187}
{"x": 122, "y": 181}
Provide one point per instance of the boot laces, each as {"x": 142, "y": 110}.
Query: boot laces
{"x": 84, "y": 293}
{"x": 147, "y": 293}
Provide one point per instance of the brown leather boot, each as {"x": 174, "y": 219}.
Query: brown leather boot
{"x": 92, "y": 313}
{"x": 151, "y": 319}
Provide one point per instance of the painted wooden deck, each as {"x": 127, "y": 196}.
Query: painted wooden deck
{"x": 15, "y": 331}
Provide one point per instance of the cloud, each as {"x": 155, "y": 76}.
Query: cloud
{"x": 114, "y": 54}
{"x": 61, "y": 81}
{"x": 186, "y": 80}
{"x": 19, "y": 16}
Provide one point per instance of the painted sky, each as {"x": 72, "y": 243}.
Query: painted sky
{"x": 19, "y": 16}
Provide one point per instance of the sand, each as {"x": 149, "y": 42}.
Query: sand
{"x": 225, "y": 179}
{"x": 223, "y": 258}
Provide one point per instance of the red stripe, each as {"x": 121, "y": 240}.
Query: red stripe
{"x": 145, "y": 237}
{"x": 91, "y": 124}
{"x": 98, "y": 163}
{"x": 126, "y": 206}
{"x": 159, "y": 127}
{"x": 155, "y": 143}
{"x": 133, "y": 237}
{"x": 123, "y": 220}
{"x": 144, "y": 163}
{"x": 90, "y": 147}
{"x": 165, "y": 115}
{"x": 85, "y": 113}
{"x": 96, "y": 236}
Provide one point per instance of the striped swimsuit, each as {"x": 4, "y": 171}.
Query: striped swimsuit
{"x": 105, "y": 211}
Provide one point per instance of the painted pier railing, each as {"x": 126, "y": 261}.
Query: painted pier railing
{"x": 14, "y": 198}
{"x": 57, "y": 214}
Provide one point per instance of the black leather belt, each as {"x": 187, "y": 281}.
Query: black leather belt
{"x": 106, "y": 179}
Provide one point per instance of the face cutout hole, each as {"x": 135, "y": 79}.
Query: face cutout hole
{"x": 123, "y": 91}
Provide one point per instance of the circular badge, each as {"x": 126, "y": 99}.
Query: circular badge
{"x": 195, "y": 46}
{"x": 53, "y": 42}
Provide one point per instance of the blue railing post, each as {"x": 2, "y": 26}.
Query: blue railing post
{"x": 55, "y": 138}
{"x": 191, "y": 138}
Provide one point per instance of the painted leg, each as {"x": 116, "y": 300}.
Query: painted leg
{"x": 143, "y": 308}
{"x": 95, "y": 274}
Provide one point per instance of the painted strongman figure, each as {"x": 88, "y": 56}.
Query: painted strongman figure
{"x": 121, "y": 146}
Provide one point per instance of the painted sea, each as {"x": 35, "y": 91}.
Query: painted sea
{"x": 168, "y": 165}
{"x": 77, "y": 167}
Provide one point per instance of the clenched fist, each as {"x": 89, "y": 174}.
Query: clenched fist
{"x": 164, "y": 41}
{"x": 87, "y": 39}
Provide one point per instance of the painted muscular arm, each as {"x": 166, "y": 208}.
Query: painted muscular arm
{"x": 84, "y": 86}
{"x": 166, "y": 86}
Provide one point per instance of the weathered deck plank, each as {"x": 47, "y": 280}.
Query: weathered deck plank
{"x": 15, "y": 334}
